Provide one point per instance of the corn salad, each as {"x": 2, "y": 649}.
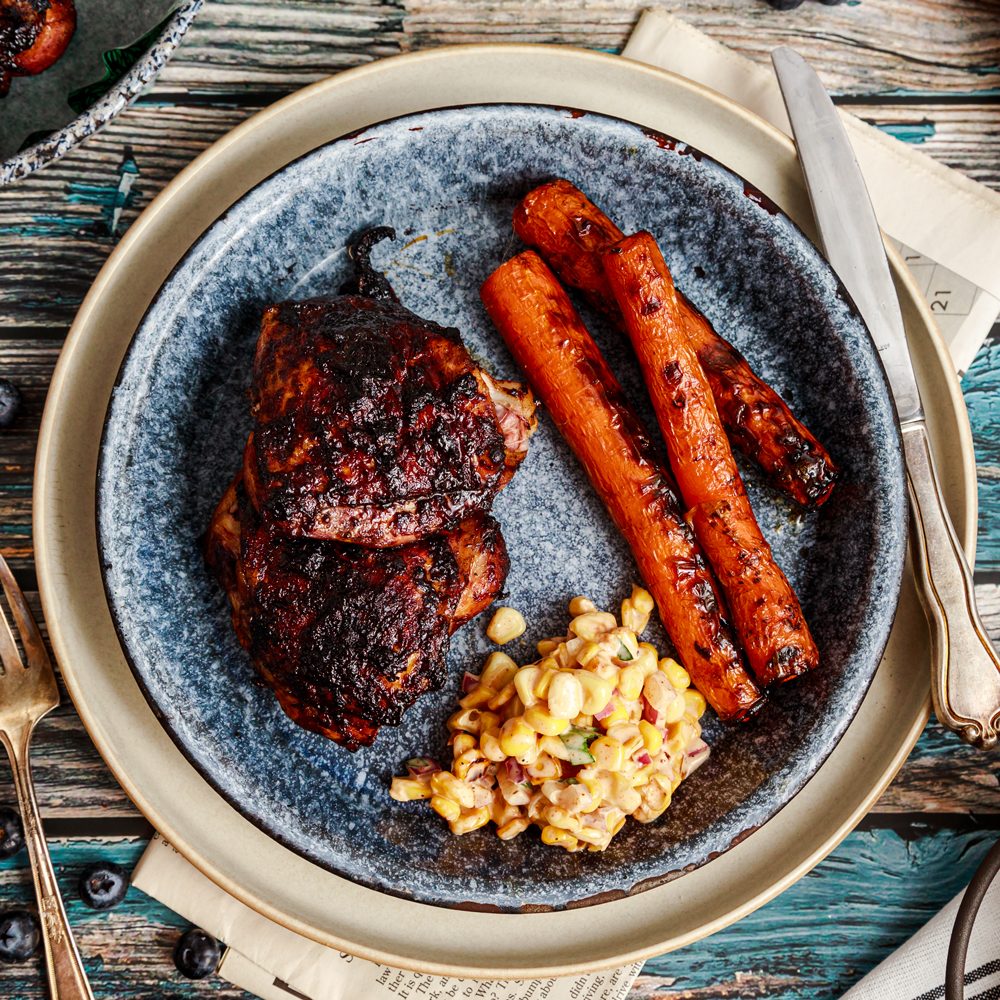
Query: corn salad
{"x": 598, "y": 728}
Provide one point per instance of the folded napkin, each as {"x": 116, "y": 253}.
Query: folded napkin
{"x": 915, "y": 971}
{"x": 274, "y": 963}
{"x": 946, "y": 226}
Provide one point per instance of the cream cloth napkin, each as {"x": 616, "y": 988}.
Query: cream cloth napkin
{"x": 274, "y": 963}
{"x": 946, "y": 225}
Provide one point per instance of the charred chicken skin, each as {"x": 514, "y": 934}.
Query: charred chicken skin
{"x": 357, "y": 538}
{"x": 33, "y": 35}
{"x": 349, "y": 637}
{"x": 373, "y": 425}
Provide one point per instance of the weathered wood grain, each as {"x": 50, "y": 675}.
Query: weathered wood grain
{"x": 818, "y": 938}
{"x": 981, "y": 389}
{"x": 914, "y": 45}
{"x": 966, "y": 137}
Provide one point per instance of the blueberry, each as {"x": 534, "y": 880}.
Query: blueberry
{"x": 784, "y": 4}
{"x": 19, "y": 936}
{"x": 11, "y": 832}
{"x": 103, "y": 885}
{"x": 10, "y": 402}
{"x": 196, "y": 954}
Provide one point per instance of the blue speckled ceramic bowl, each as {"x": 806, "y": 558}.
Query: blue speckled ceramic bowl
{"x": 448, "y": 181}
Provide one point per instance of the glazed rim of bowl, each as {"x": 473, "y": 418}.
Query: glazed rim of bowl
{"x": 787, "y": 779}
{"x": 119, "y": 97}
{"x": 227, "y": 848}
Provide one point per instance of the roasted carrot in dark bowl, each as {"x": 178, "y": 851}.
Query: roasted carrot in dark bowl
{"x": 766, "y": 613}
{"x": 567, "y": 371}
{"x": 571, "y": 233}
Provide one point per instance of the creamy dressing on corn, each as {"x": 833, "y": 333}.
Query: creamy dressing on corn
{"x": 598, "y": 729}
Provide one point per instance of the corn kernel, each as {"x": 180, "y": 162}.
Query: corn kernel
{"x": 477, "y": 697}
{"x": 516, "y": 736}
{"x": 618, "y": 714}
{"x": 696, "y": 702}
{"x": 513, "y": 708}
{"x": 642, "y": 775}
{"x": 642, "y": 599}
{"x": 565, "y": 696}
{"x": 529, "y": 756}
{"x": 630, "y": 681}
{"x": 675, "y": 709}
{"x": 462, "y": 742}
{"x": 406, "y": 789}
{"x": 513, "y": 828}
{"x": 632, "y": 618}
{"x": 542, "y": 722}
{"x": 545, "y": 768}
{"x": 445, "y": 808}
{"x": 592, "y": 624}
{"x": 470, "y": 821}
{"x": 465, "y": 761}
{"x": 503, "y": 696}
{"x": 546, "y": 647}
{"x": 524, "y": 683}
{"x": 645, "y": 661}
{"x": 548, "y": 670}
{"x": 489, "y": 743}
{"x": 488, "y": 722}
{"x": 466, "y": 719}
{"x": 505, "y": 625}
{"x": 559, "y": 838}
{"x": 679, "y": 678}
{"x": 584, "y": 721}
{"x": 626, "y": 637}
{"x": 608, "y": 753}
{"x": 596, "y": 789}
{"x": 445, "y": 784}
{"x": 554, "y": 747}
{"x": 587, "y": 653}
{"x": 616, "y": 824}
{"x": 498, "y": 671}
{"x": 581, "y": 606}
{"x": 652, "y": 738}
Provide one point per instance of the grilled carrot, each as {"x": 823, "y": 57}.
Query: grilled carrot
{"x": 766, "y": 612}
{"x": 566, "y": 369}
{"x": 571, "y": 234}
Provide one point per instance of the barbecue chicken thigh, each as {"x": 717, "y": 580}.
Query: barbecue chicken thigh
{"x": 373, "y": 425}
{"x": 349, "y": 637}
{"x": 356, "y": 538}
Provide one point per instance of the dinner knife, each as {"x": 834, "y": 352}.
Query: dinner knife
{"x": 965, "y": 678}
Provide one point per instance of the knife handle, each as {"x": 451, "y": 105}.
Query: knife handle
{"x": 965, "y": 669}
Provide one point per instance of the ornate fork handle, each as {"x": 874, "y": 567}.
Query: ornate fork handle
{"x": 66, "y": 975}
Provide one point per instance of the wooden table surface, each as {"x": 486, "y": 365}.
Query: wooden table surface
{"x": 926, "y": 69}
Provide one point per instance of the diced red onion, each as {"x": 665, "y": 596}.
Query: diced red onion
{"x": 420, "y": 765}
{"x": 515, "y": 771}
{"x": 643, "y": 759}
{"x": 653, "y": 716}
{"x": 469, "y": 681}
{"x": 606, "y": 711}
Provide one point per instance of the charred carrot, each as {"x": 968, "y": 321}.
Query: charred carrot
{"x": 766, "y": 612}
{"x": 571, "y": 234}
{"x": 566, "y": 369}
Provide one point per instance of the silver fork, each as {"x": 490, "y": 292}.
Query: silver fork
{"x": 27, "y": 694}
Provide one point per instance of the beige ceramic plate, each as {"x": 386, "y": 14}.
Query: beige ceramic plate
{"x": 211, "y": 834}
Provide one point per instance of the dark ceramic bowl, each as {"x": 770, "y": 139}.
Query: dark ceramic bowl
{"x": 448, "y": 181}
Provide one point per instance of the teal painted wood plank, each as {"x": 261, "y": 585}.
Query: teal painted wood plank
{"x": 824, "y": 933}
{"x": 813, "y": 941}
{"x": 981, "y": 388}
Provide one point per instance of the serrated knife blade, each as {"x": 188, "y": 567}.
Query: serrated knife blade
{"x": 965, "y": 669}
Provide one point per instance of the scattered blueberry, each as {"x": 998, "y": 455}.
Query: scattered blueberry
{"x": 196, "y": 954}
{"x": 103, "y": 885}
{"x": 19, "y": 936}
{"x": 11, "y": 832}
{"x": 10, "y": 402}
{"x": 784, "y": 4}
